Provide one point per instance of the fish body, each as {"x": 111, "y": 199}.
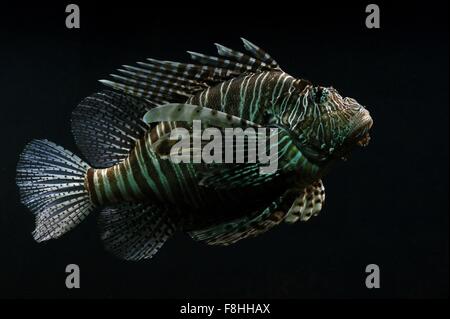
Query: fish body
{"x": 144, "y": 197}
{"x": 143, "y": 174}
{"x": 144, "y": 177}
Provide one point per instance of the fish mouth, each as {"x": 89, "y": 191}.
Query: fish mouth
{"x": 359, "y": 132}
{"x": 364, "y": 141}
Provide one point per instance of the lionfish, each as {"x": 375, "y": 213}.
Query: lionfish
{"x": 143, "y": 197}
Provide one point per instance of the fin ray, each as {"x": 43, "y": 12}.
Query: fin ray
{"x": 51, "y": 184}
{"x": 309, "y": 202}
{"x": 174, "y": 82}
{"x": 189, "y": 113}
{"x": 135, "y": 231}
{"x": 248, "y": 226}
{"x": 106, "y": 126}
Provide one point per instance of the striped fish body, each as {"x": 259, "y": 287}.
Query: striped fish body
{"x": 144, "y": 177}
{"x": 253, "y": 96}
{"x": 268, "y": 98}
{"x": 143, "y": 197}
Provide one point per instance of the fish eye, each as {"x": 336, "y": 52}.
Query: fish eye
{"x": 318, "y": 95}
{"x": 324, "y": 95}
{"x": 321, "y": 95}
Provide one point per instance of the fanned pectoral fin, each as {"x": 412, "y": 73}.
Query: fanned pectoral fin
{"x": 135, "y": 231}
{"x": 308, "y": 203}
{"x": 235, "y": 176}
{"x": 303, "y": 205}
{"x": 248, "y": 226}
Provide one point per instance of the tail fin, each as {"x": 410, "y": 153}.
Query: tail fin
{"x": 51, "y": 183}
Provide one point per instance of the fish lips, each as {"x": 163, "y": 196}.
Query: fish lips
{"x": 361, "y": 124}
{"x": 359, "y": 134}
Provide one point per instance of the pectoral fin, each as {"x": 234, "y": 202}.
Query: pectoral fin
{"x": 188, "y": 113}
{"x": 308, "y": 203}
{"x": 249, "y": 226}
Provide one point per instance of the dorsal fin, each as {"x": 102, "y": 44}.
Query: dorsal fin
{"x": 106, "y": 126}
{"x": 173, "y": 82}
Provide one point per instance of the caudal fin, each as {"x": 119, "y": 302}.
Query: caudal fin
{"x": 51, "y": 183}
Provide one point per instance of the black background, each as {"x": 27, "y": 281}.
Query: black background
{"x": 388, "y": 205}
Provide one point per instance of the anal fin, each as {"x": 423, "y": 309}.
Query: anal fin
{"x": 135, "y": 231}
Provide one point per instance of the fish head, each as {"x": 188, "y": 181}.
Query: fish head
{"x": 330, "y": 126}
